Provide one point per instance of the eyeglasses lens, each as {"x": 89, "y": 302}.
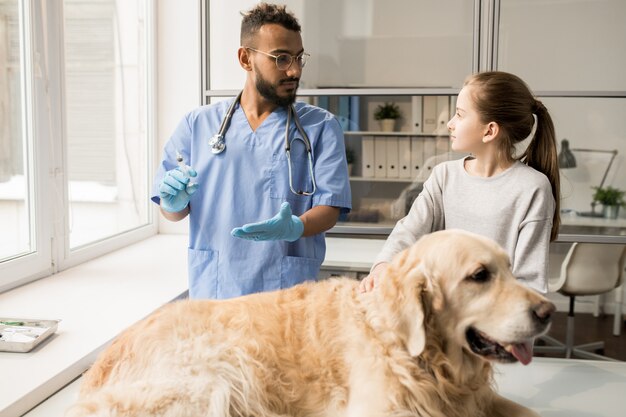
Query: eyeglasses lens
{"x": 283, "y": 61}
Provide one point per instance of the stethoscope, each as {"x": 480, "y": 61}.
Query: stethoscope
{"x": 218, "y": 144}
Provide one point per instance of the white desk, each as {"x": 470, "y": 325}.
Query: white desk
{"x": 576, "y": 228}
{"x": 566, "y": 387}
{"x": 552, "y": 387}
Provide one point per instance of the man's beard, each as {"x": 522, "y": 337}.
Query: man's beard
{"x": 268, "y": 91}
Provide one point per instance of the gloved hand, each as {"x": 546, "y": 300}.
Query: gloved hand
{"x": 175, "y": 189}
{"x": 283, "y": 226}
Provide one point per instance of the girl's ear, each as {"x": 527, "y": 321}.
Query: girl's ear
{"x": 244, "y": 59}
{"x": 491, "y": 132}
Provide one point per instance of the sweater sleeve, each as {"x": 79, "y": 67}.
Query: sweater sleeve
{"x": 533, "y": 242}
{"x": 425, "y": 216}
{"x": 531, "y": 255}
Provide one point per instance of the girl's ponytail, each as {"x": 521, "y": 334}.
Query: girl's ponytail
{"x": 541, "y": 154}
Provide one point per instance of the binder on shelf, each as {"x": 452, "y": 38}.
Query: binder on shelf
{"x": 404, "y": 157}
{"x": 380, "y": 157}
{"x": 367, "y": 144}
{"x": 443, "y": 114}
{"x": 323, "y": 102}
{"x": 416, "y": 114}
{"x": 392, "y": 157}
{"x": 355, "y": 121}
{"x": 343, "y": 112}
{"x": 430, "y": 151}
{"x": 429, "y": 114}
{"x": 417, "y": 155}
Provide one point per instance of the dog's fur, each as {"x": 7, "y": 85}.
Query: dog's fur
{"x": 325, "y": 349}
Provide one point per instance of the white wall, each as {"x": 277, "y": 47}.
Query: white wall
{"x": 178, "y": 74}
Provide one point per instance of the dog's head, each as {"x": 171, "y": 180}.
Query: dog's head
{"x": 461, "y": 285}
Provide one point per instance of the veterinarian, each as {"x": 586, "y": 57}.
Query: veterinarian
{"x": 511, "y": 199}
{"x": 260, "y": 183}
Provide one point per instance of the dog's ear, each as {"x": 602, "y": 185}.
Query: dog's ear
{"x": 413, "y": 312}
{"x": 432, "y": 286}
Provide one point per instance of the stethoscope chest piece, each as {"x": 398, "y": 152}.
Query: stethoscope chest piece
{"x": 217, "y": 144}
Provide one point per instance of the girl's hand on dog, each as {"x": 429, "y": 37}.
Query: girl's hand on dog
{"x": 371, "y": 281}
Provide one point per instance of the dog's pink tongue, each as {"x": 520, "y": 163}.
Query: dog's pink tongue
{"x": 523, "y": 351}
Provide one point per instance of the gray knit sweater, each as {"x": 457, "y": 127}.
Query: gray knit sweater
{"x": 514, "y": 208}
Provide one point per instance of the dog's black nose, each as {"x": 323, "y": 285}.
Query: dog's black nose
{"x": 543, "y": 311}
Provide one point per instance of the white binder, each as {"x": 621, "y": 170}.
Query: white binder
{"x": 416, "y": 114}
{"x": 380, "y": 157}
{"x": 417, "y": 155}
{"x": 443, "y": 114}
{"x": 368, "y": 156}
{"x": 429, "y": 113}
{"x": 404, "y": 157}
{"x": 392, "y": 157}
{"x": 430, "y": 151}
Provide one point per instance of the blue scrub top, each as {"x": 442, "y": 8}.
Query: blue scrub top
{"x": 247, "y": 183}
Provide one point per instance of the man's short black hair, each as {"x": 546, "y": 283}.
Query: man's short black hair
{"x": 263, "y": 14}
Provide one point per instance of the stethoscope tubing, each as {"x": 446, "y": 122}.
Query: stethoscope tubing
{"x": 217, "y": 142}
{"x": 307, "y": 144}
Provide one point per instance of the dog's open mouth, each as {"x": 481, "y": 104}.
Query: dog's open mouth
{"x": 482, "y": 345}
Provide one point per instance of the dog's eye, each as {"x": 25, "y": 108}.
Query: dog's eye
{"x": 481, "y": 275}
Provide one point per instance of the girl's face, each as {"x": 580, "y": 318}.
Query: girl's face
{"x": 466, "y": 129}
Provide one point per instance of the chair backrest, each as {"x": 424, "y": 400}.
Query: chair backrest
{"x": 591, "y": 268}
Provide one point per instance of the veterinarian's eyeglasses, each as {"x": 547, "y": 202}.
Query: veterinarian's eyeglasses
{"x": 284, "y": 61}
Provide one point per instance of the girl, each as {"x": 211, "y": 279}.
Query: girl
{"x": 511, "y": 199}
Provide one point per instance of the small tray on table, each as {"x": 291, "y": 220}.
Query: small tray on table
{"x": 22, "y": 335}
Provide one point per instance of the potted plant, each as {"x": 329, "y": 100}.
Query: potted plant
{"x": 387, "y": 114}
{"x": 350, "y": 159}
{"x": 611, "y": 200}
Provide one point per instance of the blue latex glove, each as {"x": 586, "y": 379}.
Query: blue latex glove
{"x": 283, "y": 226}
{"x": 176, "y": 190}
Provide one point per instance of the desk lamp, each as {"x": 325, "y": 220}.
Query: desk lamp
{"x": 567, "y": 160}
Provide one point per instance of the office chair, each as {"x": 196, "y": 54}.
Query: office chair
{"x": 588, "y": 269}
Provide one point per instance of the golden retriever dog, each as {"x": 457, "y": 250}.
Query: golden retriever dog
{"x": 421, "y": 344}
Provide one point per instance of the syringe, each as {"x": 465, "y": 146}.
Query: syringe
{"x": 182, "y": 164}
{"x": 183, "y": 167}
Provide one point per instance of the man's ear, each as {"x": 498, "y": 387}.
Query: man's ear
{"x": 491, "y": 132}
{"x": 244, "y": 58}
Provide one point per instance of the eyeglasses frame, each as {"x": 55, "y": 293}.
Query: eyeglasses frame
{"x": 292, "y": 57}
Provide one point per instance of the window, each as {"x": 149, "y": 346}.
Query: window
{"x": 105, "y": 118}
{"x": 75, "y": 88}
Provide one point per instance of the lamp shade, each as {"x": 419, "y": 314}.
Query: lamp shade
{"x": 566, "y": 157}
